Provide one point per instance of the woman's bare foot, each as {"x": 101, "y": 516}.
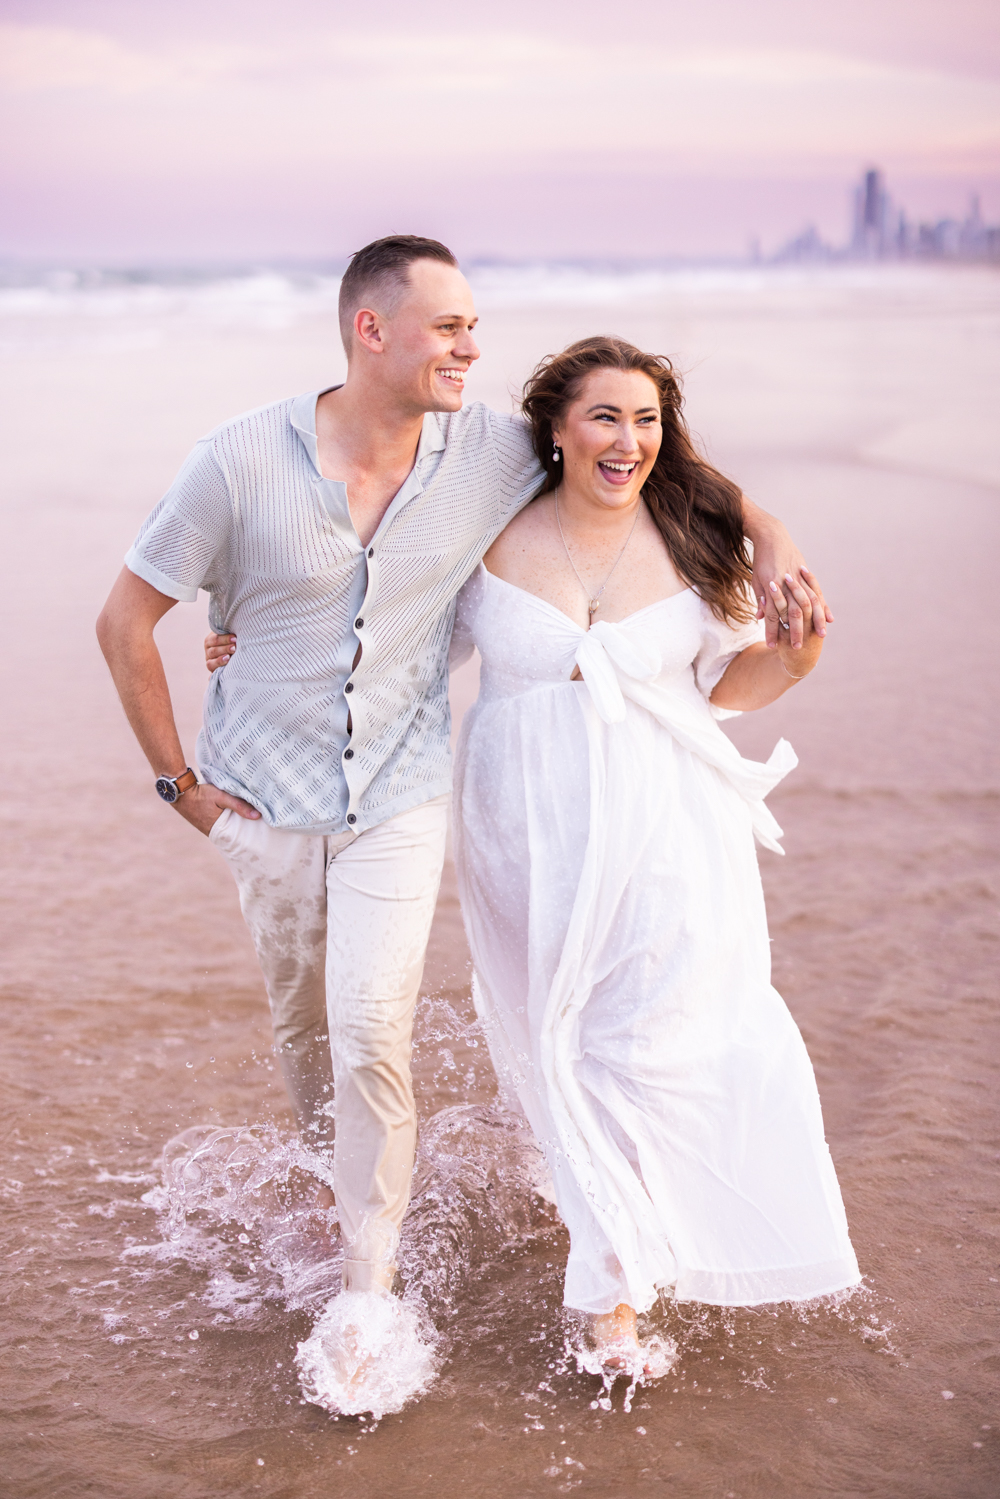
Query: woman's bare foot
{"x": 325, "y": 1197}
{"x": 616, "y": 1337}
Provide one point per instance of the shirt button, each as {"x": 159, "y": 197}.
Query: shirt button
{"x": 351, "y": 818}
{"x": 371, "y": 551}
{"x": 348, "y": 754}
{"x": 349, "y": 687}
{"x": 359, "y": 624}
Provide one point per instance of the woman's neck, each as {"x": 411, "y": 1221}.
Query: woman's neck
{"x": 587, "y": 520}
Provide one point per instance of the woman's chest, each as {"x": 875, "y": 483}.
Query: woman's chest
{"x": 524, "y": 636}
{"x": 610, "y": 582}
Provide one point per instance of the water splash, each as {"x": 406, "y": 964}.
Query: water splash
{"x": 238, "y": 1204}
{"x": 651, "y": 1359}
{"x": 480, "y": 1185}
{"x": 369, "y": 1353}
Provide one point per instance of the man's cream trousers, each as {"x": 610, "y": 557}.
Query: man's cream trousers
{"x": 340, "y": 925}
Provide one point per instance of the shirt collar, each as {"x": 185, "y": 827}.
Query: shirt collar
{"x": 303, "y": 419}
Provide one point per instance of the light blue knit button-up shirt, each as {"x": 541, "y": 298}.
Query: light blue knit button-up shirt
{"x": 251, "y": 519}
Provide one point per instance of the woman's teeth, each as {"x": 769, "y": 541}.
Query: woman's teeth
{"x": 618, "y": 468}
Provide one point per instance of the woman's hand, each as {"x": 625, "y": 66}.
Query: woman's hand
{"x": 218, "y": 650}
{"x": 775, "y": 556}
{"x": 758, "y": 675}
{"x": 799, "y": 644}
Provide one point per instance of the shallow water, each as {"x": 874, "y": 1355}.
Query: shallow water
{"x": 160, "y": 1265}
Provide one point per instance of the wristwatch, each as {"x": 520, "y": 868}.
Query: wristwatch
{"x": 172, "y": 788}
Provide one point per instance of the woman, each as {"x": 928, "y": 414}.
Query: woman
{"x": 604, "y": 844}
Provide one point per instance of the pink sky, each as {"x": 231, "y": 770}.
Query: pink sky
{"x": 194, "y": 129}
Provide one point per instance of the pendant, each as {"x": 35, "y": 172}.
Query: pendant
{"x": 594, "y": 605}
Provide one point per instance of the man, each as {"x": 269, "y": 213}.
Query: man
{"x": 333, "y": 532}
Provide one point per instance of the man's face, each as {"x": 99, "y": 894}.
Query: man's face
{"x": 428, "y": 343}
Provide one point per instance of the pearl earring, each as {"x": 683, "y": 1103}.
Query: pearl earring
{"x": 556, "y": 455}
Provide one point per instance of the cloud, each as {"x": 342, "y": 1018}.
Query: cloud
{"x": 55, "y": 59}
{"x": 295, "y": 126}
{"x": 52, "y": 60}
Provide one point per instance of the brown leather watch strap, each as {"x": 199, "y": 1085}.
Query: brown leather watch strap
{"x": 186, "y": 781}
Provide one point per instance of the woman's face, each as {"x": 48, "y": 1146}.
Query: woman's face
{"x": 610, "y": 436}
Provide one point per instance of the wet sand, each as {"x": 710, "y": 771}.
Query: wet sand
{"x": 862, "y": 408}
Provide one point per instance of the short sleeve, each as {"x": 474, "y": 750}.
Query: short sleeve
{"x": 463, "y": 641}
{"x": 519, "y": 471}
{"x": 721, "y": 643}
{"x": 181, "y": 544}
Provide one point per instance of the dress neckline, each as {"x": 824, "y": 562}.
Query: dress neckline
{"x": 636, "y": 613}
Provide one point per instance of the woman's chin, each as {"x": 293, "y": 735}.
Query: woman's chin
{"x": 616, "y": 496}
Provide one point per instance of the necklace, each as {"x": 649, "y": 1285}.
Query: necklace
{"x": 593, "y": 604}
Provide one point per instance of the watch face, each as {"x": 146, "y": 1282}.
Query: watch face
{"x": 166, "y": 789}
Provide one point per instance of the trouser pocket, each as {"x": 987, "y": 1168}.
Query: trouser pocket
{"x": 217, "y": 832}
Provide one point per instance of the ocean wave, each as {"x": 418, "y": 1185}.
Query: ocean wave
{"x": 275, "y": 299}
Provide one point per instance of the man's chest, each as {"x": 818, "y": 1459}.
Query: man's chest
{"x": 307, "y": 531}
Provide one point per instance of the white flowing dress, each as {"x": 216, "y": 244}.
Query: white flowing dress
{"x": 604, "y": 837}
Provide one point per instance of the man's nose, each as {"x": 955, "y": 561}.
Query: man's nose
{"x": 465, "y": 347}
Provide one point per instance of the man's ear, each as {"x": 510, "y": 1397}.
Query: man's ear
{"x": 368, "y": 330}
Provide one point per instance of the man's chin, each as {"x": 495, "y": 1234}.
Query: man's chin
{"x": 447, "y": 400}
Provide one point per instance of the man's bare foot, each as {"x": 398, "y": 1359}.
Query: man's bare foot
{"x": 616, "y": 1337}
{"x": 324, "y": 1197}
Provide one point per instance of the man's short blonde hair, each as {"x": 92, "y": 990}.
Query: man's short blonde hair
{"x": 378, "y": 275}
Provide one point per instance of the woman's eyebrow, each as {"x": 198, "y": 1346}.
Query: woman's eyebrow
{"x": 606, "y": 406}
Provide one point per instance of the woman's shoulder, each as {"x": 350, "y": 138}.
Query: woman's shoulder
{"x": 728, "y": 633}
{"x": 521, "y": 534}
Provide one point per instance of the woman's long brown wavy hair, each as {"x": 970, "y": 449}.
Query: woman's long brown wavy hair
{"x": 699, "y": 512}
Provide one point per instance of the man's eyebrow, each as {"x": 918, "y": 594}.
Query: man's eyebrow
{"x": 456, "y": 317}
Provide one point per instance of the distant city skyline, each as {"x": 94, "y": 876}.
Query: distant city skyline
{"x": 882, "y": 229}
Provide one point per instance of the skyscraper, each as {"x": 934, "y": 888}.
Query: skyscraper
{"x": 871, "y": 217}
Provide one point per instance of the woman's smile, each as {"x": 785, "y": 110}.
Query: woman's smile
{"x": 614, "y": 471}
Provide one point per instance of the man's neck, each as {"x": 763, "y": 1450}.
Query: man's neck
{"x": 369, "y": 443}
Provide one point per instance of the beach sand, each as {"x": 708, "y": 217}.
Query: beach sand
{"x": 860, "y": 405}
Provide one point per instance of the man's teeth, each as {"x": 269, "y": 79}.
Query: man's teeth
{"x": 452, "y": 374}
